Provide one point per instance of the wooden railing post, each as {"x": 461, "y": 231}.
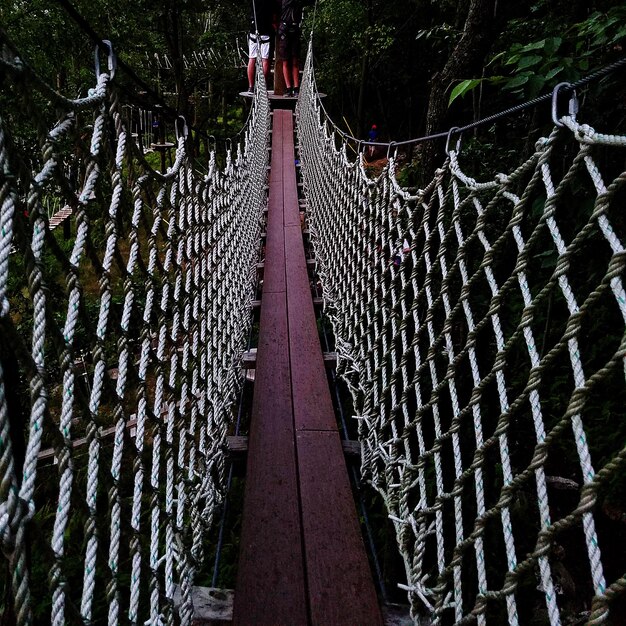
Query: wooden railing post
{"x": 279, "y": 79}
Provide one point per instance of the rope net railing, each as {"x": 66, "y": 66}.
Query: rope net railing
{"x": 120, "y": 352}
{"x": 480, "y": 329}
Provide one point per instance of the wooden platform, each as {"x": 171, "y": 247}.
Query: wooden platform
{"x": 302, "y": 558}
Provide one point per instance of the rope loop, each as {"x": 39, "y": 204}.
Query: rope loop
{"x": 111, "y": 58}
{"x": 572, "y": 106}
{"x": 389, "y": 147}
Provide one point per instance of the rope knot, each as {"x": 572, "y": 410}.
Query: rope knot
{"x": 421, "y": 592}
{"x": 10, "y": 524}
{"x": 584, "y": 133}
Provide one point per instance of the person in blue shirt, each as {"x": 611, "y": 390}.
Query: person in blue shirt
{"x": 372, "y": 135}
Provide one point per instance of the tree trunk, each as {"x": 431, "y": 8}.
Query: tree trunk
{"x": 361, "y": 103}
{"x": 173, "y": 35}
{"x": 360, "y": 129}
{"x": 465, "y": 61}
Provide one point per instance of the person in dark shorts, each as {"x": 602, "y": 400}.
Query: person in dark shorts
{"x": 264, "y": 26}
{"x": 289, "y": 44}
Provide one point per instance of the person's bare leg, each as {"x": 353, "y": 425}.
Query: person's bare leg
{"x": 266, "y": 68}
{"x": 251, "y": 68}
{"x": 295, "y": 72}
{"x": 287, "y": 72}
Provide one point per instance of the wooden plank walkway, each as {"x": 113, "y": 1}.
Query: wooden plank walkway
{"x": 59, "y": 217}
{"x": 302, "y": 559}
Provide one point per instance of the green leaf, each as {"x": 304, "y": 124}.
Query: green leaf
{"x": 517, "y": 81}
{"x": 494, "y": 59}
{"x": 553, "y": 72}
{"x": 525, "y": 62}
{"x": 537, "y": 45}
{"x": 552, "y": 45}
{"x": 463, "y": 87}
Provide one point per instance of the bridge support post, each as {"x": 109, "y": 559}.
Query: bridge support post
{"x": 279, "y": 79}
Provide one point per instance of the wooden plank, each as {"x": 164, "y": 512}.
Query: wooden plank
{"x": 274, "y": 272}
{"x": 270, "y": 582}
{"x": 301, "y": 560}
{"x": 309, "y": 263}
{"x": 59, "y": 217}
{"x": 318, "y": 303}
{"x": 340, "y": 585}
{"x": 292, "y": 209}
{"x": 351, "y": 448}
{"x": 131, "y": 425}
{"x": 313, "y": 407}
{"x": 238, "y": 446}
{"x": 248, "y": 359}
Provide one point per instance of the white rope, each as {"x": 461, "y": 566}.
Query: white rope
{"x": 159, "y": 280}
{"x": 439, "y": 299}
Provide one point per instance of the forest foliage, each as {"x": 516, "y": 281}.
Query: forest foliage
{"x": 410, "y": 66}
{"x": 380, "y": 61}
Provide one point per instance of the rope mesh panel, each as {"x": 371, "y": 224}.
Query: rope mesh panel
{"x": 480, "y": 330}
{"x": 120, "y": 353}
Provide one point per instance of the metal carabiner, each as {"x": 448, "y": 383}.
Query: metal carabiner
{"x": 184, "y": 131}
{"x": 458, "y": 142}
{"x": 111, "y": 60}
{"x": 572, "y": 107}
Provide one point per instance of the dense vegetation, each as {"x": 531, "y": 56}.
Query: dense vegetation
{"x": 411, "y": 66}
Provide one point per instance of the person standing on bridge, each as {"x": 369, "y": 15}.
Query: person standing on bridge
{"x": 260, "y": 37}
{"x": 289, "y": 43}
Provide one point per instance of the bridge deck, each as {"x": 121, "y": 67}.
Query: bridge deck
{"x": 302, "y": 558}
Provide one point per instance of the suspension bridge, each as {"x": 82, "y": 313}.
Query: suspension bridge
{"x": 477, "y": 326}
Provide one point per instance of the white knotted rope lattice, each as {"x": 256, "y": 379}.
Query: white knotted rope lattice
{"x": 136, "y": 328}
{"x": 480, "y": 329}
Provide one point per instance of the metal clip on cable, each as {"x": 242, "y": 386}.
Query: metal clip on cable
{"x": 111, "y": 58}
{"x": 572, "y": 107}
{"x": 181, "y": 127}
{"x": 458, "y": 141}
